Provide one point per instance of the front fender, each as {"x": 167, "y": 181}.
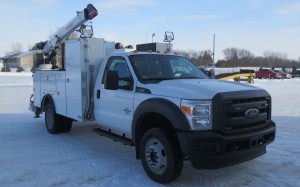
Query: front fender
{"x": 162, "y": 106}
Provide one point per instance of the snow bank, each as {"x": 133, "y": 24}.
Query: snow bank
{"x": 15, "y": 74}
{"x": 15, "y": 79}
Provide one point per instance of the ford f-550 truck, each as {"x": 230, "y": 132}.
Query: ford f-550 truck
{"x": 161, "y": 103}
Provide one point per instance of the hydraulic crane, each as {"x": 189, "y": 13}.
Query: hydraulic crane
{"x": 49, "y": 47}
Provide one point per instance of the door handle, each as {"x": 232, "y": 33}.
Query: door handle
{"x": 98, "y": 94}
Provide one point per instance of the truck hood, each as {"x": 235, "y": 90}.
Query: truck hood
{"x": 195, "y": 88}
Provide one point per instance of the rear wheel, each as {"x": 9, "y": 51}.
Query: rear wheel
{"x": 56, "y": 123}
{"x": 161, "y": 157}
{"x": 66, "y": 124}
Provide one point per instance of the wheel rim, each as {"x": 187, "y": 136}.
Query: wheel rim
{"x": 156, "y": 156}
{"x": 49, "y": 118}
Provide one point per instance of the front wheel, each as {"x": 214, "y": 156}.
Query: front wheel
{"x": 161, "y": 157}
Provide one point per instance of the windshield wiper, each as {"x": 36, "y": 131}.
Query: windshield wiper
{"x": 158, "y": 79}
{"x": 155, "y": 79}
{"x": 190, "y": 78}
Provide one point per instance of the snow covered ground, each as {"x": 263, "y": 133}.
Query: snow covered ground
{"x": 29, "y": 156}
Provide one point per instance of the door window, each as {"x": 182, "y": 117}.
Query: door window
{"x": 119, "y": 64}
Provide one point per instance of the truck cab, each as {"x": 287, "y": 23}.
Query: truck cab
{"x": 212, "y": 123}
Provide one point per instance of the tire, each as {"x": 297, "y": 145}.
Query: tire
{"x": 160, "y": 156}
{"x": 56, "y": 123}
{"x": 66, "y": 125}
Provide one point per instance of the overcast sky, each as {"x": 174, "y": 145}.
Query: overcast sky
{"x": 255, "y": 25}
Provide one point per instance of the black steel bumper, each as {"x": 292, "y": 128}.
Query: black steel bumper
{"x": 210, "y": 150}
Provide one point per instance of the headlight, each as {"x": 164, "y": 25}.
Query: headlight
{"x": 198, "y": 113}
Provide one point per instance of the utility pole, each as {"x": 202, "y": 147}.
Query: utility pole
{"x": 214, "y": 52}
{"x": 213, "y": 61}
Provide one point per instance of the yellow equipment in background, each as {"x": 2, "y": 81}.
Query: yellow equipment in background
{"x": 249, "y": 77}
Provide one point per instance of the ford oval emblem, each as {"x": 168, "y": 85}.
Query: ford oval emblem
{"x": 252, "y": 113}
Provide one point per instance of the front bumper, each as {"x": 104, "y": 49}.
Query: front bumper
{"x": 210, "y": 149}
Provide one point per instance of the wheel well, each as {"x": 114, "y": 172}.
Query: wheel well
{"x": 47, "y": 100}
{"x": 153, "y": 120}
{"x": 149, "y": 121}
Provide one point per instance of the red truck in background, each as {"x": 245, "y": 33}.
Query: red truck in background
{"x": 268, "y": 74}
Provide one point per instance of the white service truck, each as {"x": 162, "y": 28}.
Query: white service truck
{"x": 161, "y": 103}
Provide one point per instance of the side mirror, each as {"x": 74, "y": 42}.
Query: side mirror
{"x": 111, "y": 79}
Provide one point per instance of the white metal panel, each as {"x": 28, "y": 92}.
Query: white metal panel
{"x": 60, "y": 95}
{"x": 162, "y": 47}
{"x": 48, "y": 81}
{"x": 83, "y": 56}
{"x": 96, "y": 53}
{"x": 37, "y": 89}
{"x": 73, "y": 79}
{"x": 53, "y": 83}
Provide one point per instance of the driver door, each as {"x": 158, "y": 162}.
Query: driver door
{"x": 114, "y": 108}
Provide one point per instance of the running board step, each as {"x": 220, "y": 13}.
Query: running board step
{"x": 115, "y": 137}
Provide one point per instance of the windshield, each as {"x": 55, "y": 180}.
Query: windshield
{"x": 158, "y": 67}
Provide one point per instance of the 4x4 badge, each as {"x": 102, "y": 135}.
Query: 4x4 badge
{"x": 252, "y": 113}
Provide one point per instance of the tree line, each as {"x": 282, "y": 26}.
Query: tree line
{"x": 235, "y": 57}
{"x": 199, "y": 58}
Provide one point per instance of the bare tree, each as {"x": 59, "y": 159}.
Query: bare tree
{"x": 230, "y": 53}
{"x": 199, "y": 58}
{"x": 275, "y": 59}
{"x": 193, "y": 54}
{"x": 183, "y": 53}
{"x": 244, "y": 53}
{"x": 30, "y": 46}
{"x": 17, "y": 48}
{"x": 268, "y": 54}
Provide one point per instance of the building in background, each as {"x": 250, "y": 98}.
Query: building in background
{"x": 24, "y": 60}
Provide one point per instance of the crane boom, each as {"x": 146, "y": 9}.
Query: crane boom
{"x": 87, "y": 14}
